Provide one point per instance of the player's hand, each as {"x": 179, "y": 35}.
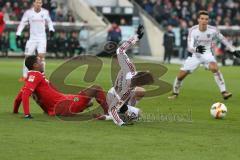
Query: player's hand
{"x": 200, "y": 49}
{"x": 51, "y": 33}
{"x": 28, "y": 116}
{"x": 237, "y": 53}
{"x": 140, "y": 31}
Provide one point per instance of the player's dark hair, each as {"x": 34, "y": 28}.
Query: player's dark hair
{"x": 202, "y": 12}
{"x": 142, "y": 78}
{"x": 29, "y": 61}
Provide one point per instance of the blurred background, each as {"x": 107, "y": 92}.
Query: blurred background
{"x": 84, "y": 27}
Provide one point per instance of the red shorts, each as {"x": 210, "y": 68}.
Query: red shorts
{"x": 72, "y": 104}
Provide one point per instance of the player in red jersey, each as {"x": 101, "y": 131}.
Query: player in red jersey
{"x": 49, "y": 99}
{"x": 2, "y": 23}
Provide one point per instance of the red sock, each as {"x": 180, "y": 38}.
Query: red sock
{"x": 101, "y": 99}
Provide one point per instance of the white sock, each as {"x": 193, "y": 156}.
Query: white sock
{"x": 176, "y": 85}
{"x": 25, "y": 70}
{"x": 220, "y": 81}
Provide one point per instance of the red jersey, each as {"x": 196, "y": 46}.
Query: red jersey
{"x": 2, "y": 23}
{"x": 46, "y": 96}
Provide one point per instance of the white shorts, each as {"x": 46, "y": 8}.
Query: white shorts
{"x": 193, "y": 62}
{"x": 33, "y": 45}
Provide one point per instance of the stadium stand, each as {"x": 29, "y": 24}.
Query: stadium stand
{"x": 90, "y": 21}
{"x": 224, "y": 14}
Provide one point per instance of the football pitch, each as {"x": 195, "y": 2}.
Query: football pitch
{"x": 180, "y": 129}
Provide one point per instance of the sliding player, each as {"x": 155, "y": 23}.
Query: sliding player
{"x": 37, "y": 17}
{"x": 49, "y": 99}
{"x": 200, "y": 41}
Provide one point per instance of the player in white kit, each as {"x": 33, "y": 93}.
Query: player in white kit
{"x": 37, "y": 17}
{"x": 200, "y": 41}
{"x": 122, "y": 97}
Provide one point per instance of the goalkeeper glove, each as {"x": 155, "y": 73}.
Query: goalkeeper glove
{"x": 200, "y": 49}
{"x": 140, "y": 30}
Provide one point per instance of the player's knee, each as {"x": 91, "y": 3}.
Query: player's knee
{"x": 182, "y": 75}
{"x": 213, "y": 67}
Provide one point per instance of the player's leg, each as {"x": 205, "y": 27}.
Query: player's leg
{"x": 189, "y": 66}
{"x": 30, "y": 49}
{"x": 213, "y": 67}
{"x": 178, "y": 83}
{"x": 97, "y": 92}
{"x": 41, "y": 48}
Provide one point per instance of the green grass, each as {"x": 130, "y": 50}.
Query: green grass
{"x": 48, "y": 138}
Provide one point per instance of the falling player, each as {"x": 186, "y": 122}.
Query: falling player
{"x": 49, "y": 99}
{"x": 37, "y": 17}
{"x": 200, "y": 41}
{"x": 126, "y": 83}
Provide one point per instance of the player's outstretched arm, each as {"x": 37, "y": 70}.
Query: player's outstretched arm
{"x": 25, "y": 101}
{"x": 50, "y": 23}
{"x": 34, "y": 79}
{"x": 23, "y": 23}
{"x": 17, "y": 102}
{"x": 225, "y": 41}
{"x": 228, "y": 45}
{"x": 124, "y": 62}
{"x": 23, "y": 97}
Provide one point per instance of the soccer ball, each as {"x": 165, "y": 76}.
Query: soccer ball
{"x": 218, "y": 110}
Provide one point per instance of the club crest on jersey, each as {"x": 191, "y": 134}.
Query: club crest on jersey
{"x": 208, "y": 35}
{"x": 42, "y": 15}
{"x": 75, "y": 99}
{"x": 31, "y": 78}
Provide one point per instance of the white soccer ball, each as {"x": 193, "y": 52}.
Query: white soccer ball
{"x": 218, "y": 110}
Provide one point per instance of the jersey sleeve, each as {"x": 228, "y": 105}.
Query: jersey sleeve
{"x": 224, "y": 41}
{"x": 23, "y": 23}
{"x": 49, "y": 22}
{"x": 17, "y": 102}
{"x": 125, "y": 63}
{"x": 113, "y": 111}
{"x": 190, "y": 41}
{"x": 33, "y": 80}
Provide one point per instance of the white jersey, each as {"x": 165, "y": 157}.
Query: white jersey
{"x": 37, "y": 22}
{"x": 121, "y": 92}
{"x": 206, "y": 39}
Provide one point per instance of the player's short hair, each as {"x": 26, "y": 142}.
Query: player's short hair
{"x": 29, "y": 61}
{"x": 202, "y": 12}
{"x": 142, "y": 78}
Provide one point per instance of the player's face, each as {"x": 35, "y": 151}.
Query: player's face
{"x": 37, "y": 5}
{"x": 203, "y": 21}
{"x": 39, "y": 65}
